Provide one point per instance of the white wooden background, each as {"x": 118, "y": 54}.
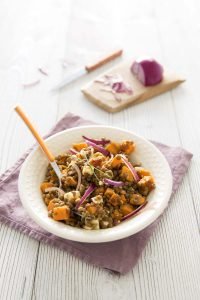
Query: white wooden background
{"x": 43, "y": 33}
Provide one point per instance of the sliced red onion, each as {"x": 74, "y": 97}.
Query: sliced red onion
{"x": 99, "y": 148}
{"x": 149, "y": 72}
{"x": 79, "y": 175}
{"x": 113, "y": 182}
{"x": 116, "y": 84}
{"x": 97, "y": 142}
{"x": 131, "y": 168}
{"x": 121, "y": 87}
{"x": 72, "y": 151}
{"x": 54, "y": 188}
{"x": 111, "y": 79}
{"x": 30, "y": 84}
{"x": 134, "y": 212}
{"x": 89, "y": 190}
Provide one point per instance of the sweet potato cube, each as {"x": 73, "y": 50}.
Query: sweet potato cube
{"x": 126, "y": 174}
{"x": 126, "y": 209}
{"x": 79, "y": 146}
{"x": 51, "y": 205}
{"x": 127, "y": 147}
{"x": 109, "y": 192}
{"x": 113, "y": 148}
{"x": 114, "y": 200}
{"x": 61, "y": 213}
{"x": 92, "y": 209}
{"x": 116, "y": 162}
{"x": 70, "y": 181}
{"x": 45, "y": 185}
{"x": 137, "y": 199}
{"x": 142, "y": 172}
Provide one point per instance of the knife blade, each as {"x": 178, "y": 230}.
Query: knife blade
{"x": 87, "y": 69}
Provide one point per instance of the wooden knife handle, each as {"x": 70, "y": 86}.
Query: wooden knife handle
{"x": 101, "y": 62}
{"x": 35, "y": 133}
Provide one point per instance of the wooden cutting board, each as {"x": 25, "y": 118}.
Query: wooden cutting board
{"x": 141, "y": 93}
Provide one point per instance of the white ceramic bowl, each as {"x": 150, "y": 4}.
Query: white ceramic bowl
{"x": 33, "y": 171}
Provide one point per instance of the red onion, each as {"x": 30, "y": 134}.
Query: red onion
{"x": 116, "y": 84}
{"x": 97, "y": 142}
{"x": 133, "y": 212}
{"x": 113, "y": 182}
{"x": 99, "y": 148}
{"x": 149, "y": 72}
{"x": 89, "y": 190}
{"x": 72, "y": 151}
{"x": 30, "y": 84}
{"x": 121, "y": 87}
{"x": 131, "y": 168}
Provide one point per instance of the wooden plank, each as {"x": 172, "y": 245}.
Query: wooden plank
{"x": 75, "y": 279}
{"x": 186, "y": 103}
{"x": 18, "y": 262}
{"x": 29, "y": 42}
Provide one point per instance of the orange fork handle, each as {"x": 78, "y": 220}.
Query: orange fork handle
{"x": 35, "y": 133}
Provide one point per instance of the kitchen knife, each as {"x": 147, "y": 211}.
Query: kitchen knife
{"x": 87, "y": 69}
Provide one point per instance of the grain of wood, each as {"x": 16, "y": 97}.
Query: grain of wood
{"x": 17, "y": 260}
{"x": 169, "y": 267}
{"x": 186, "y": 109}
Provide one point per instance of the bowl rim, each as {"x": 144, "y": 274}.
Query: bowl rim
{"x": 111, "y": 234}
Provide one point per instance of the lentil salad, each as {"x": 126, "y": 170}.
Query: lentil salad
{"x": 100, "y": 186}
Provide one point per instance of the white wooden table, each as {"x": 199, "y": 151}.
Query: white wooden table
{"x": 42, "y": 33}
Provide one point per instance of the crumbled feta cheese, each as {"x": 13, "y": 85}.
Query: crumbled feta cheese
{"x": 97, "y": 199}
{"x": 72, "y": 196}
{"x": 95, "y": 224}
{"x": 68, "y": 196}
{"x": 87, "y": 170}
{"x": 82, "y": 153}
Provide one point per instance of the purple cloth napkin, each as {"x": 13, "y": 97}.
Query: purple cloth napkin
{"x": 120, "y": 256}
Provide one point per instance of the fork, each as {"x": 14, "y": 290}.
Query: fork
{"x": 41, "y": 142}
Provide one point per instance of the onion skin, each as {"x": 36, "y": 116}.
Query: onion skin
{"x": 149, "y": 72}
